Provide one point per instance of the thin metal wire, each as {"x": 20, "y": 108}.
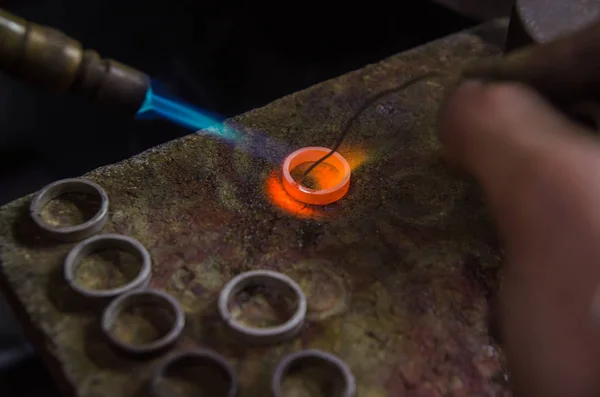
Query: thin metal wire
{"x": 346, "y": 129}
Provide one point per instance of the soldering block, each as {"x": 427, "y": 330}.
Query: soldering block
{"x": 397, "y": 274}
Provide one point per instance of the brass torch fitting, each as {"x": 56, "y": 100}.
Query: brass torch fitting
{"x": 49, "y": 59}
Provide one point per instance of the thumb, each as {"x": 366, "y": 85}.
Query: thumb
{"x": 513, "y": 142}
{"x": 541, "y": 175}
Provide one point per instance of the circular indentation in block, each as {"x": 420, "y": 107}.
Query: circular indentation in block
{"x": 422, "y": 198}
{"x": 194, "y": 373}
{"x": 327, "y": 183}
{"x": 70, "y": 209}
{"x": 107, "y": 265}
{"x": 313, "y": 373}
{"x": 143, "y": 321}
{"x": 326, "y": 292}
{"x": 263, "y": 306}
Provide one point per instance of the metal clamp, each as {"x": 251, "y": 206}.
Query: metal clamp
{"x": 268, "y": 279}
{"x": 102, "y": 242}
{"x": 206, "y": 357}
{"x": 64, "y": 186}
{"x": 160, "y": 302}
{"x": 347, "y": 387}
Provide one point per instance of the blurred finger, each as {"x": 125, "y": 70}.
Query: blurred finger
{"x": 541, "y": 175}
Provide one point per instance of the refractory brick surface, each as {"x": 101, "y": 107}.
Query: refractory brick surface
{"x": 398, "y": 274}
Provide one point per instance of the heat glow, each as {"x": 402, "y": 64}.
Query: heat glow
{"x": 322, "y": 177}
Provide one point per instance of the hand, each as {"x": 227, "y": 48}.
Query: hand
{"x": 541, "y": 176}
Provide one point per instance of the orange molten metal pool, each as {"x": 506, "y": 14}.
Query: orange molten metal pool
{"x": 327, "y": 183}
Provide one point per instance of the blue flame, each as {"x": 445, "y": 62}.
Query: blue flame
{"x": 182, "y": 113}
{"x": 202, "y": 122}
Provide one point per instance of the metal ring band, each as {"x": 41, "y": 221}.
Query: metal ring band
{"x": 269, "y": 279}
{"x": 307, "y": 195}
{"x": 283, "y": 368}
{"x": 202, "y": 356}
{"x": 131, "y": 299}
{"x": 106, "y": 241}
{"x": 64, "y": 186}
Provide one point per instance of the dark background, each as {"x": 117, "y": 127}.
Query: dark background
{"x": 227, "y": 57}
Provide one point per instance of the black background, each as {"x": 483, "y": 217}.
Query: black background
{"x": 227, "y": 57}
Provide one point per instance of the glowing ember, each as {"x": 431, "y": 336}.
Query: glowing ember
{"x": 323, "y": 176}
{"x": 282, "y": 200}
{"x": 355, "y": 157}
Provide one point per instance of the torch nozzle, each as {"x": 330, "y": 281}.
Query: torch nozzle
{"x": 49, "y": 59}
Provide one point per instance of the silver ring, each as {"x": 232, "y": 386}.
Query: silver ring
{"x": 268, "y": 279}
{"x": 99, "y": 243}
{"x": 347, "y": 387}
{"x": 160, "y": 303}
{"x": 202, "y": 356}
{"x": 72, "y": 185}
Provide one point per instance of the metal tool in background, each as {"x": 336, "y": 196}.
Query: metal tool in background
{"x": 564, "y": 70}
{"x": 553, "y": 46}
{"x": 539, "y": 21}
